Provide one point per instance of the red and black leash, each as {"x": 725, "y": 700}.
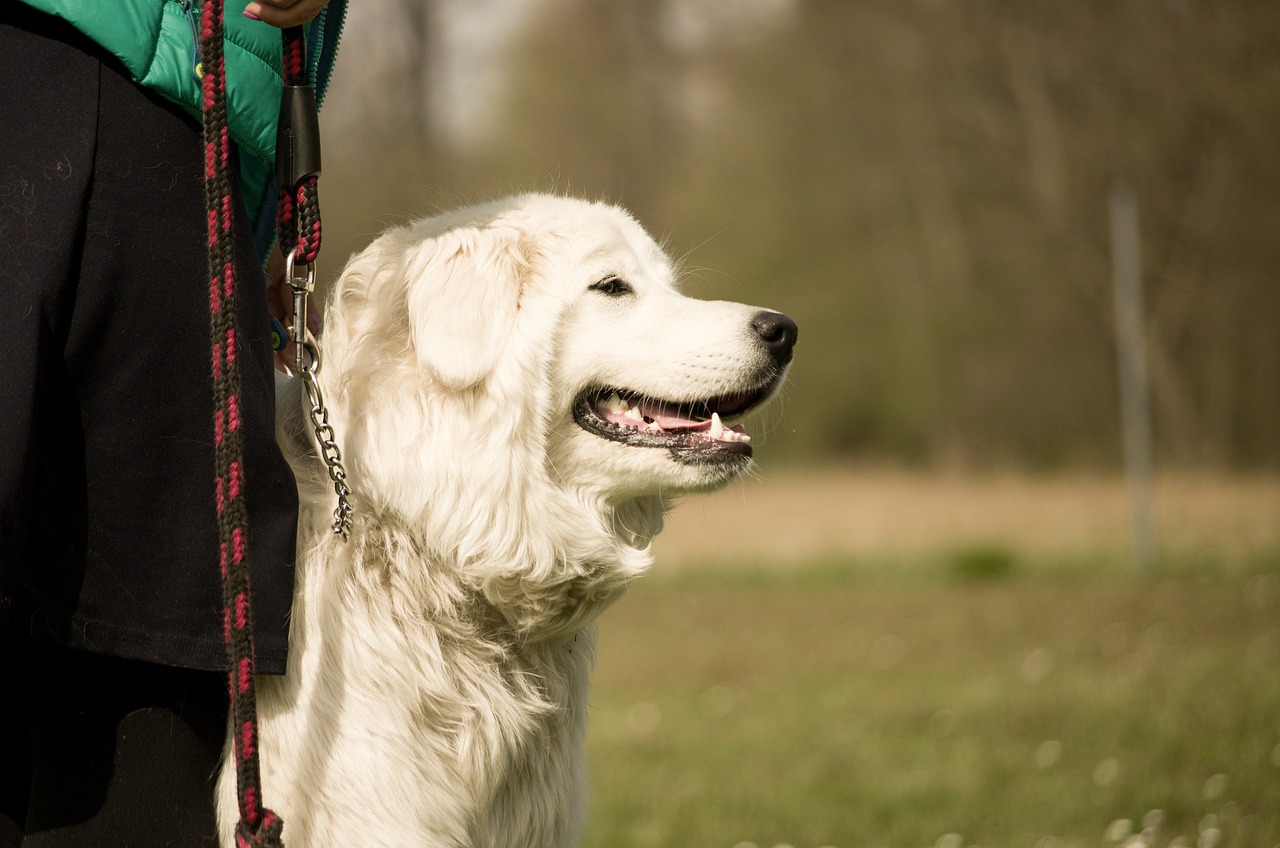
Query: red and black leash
{"x": 298, "y": 157}
{"x": 299, "y": 224}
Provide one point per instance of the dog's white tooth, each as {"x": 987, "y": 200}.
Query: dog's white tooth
{"x": 717, "y": 430}
{"x": 743, "y": 437}
{"x": 633, "y": 413}
{"x": 615, "y": 403}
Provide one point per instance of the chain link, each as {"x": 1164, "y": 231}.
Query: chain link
{"x": 329, "y": 450}
{"x": 307, "y": 366}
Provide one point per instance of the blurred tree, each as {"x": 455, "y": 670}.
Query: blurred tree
{"x": 923, "y": 185}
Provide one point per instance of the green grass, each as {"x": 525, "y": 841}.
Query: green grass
{"x": 967, "y": 700}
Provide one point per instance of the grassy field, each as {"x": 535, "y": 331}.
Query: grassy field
{"x": 894, "y": 661}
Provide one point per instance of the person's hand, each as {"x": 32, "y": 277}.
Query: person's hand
{"x": 280, "y": 304}
{"x": 284, "y": 13}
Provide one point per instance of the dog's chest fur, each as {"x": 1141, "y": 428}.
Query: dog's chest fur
{"x": 414, "y": 715}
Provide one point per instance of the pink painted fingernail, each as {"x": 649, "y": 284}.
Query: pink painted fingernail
{"x": 251, "y": 16}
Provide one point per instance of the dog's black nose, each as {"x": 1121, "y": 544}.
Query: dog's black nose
{"x": 778, "y": 332}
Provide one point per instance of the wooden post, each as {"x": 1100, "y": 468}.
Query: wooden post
{"x": 1135, "y": 409}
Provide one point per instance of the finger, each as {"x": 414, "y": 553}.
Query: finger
{"x": 277, "y": 14}
{"x": 284, "y": 359}
{"x": 279, "y": 301}
{"x": 277, "y": 304}
{"x": 315, "y": 319}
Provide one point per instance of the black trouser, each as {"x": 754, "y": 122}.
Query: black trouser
{"x": 108, "y": 540}
{"x": 99, "y": 752}
{"x": 108, "y": 530}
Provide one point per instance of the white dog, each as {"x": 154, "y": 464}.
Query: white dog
{"x": 519, "y": 391}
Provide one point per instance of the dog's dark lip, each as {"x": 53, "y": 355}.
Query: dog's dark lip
{"x": 688, "y": 445}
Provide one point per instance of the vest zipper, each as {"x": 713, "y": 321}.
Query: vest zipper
{"x": 189, "y": 9}
{"x": 323, "y": 45}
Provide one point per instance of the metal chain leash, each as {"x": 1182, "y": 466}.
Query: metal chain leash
{"x": 298, "y": 225}
{"x": 307, "y": 367}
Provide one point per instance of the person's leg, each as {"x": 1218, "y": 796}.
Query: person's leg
{"x": 97, "y": 751}
{"x": 48, "y": 109}
{"x": 15, "y": 752}
{"x": 108, "y": 536}
{"x": 139, "y": 357}
{"x": 106, "y": 490}
{"x": 124, "y": 753}
{"x": 48, "y": 105}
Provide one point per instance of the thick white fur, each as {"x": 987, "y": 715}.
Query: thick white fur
{"x": 436, "y": 688}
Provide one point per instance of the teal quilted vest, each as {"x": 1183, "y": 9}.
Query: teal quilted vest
{"x": 157, "y": 41}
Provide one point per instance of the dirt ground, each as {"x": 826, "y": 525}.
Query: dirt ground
{"x": 789, "y": 516}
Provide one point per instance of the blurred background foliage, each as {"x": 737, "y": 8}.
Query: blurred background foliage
{"x": 923, "y": 185}
{"x": 899, "y": 636}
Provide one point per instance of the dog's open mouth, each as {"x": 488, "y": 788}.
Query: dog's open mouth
{"x": 698, "y": 430}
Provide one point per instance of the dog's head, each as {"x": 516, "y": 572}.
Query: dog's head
{"x": 549, "y": 328}
{"x": 656, "y": 384}
{"x": 548, "y": 332}
{"x": 522, "y": 385}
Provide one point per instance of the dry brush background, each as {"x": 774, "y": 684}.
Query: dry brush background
{"x": 921, "y": 625}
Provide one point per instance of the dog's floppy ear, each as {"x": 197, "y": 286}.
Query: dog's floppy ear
{"x": 464, "y": 288}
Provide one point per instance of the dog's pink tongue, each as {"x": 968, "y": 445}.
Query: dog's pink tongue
{"x": 655, "y": 417}
{"x": 669, "y": 418}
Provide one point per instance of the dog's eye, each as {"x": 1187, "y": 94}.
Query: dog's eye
{"x": 613, "y": 287}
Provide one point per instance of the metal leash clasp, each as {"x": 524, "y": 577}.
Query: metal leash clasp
{"x": 306, "y": 353}
{"x": 303, "y": 286}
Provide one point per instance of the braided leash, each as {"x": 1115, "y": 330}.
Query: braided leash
{"x": 298, "y": 223}
{"x": 258, "y": 826}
